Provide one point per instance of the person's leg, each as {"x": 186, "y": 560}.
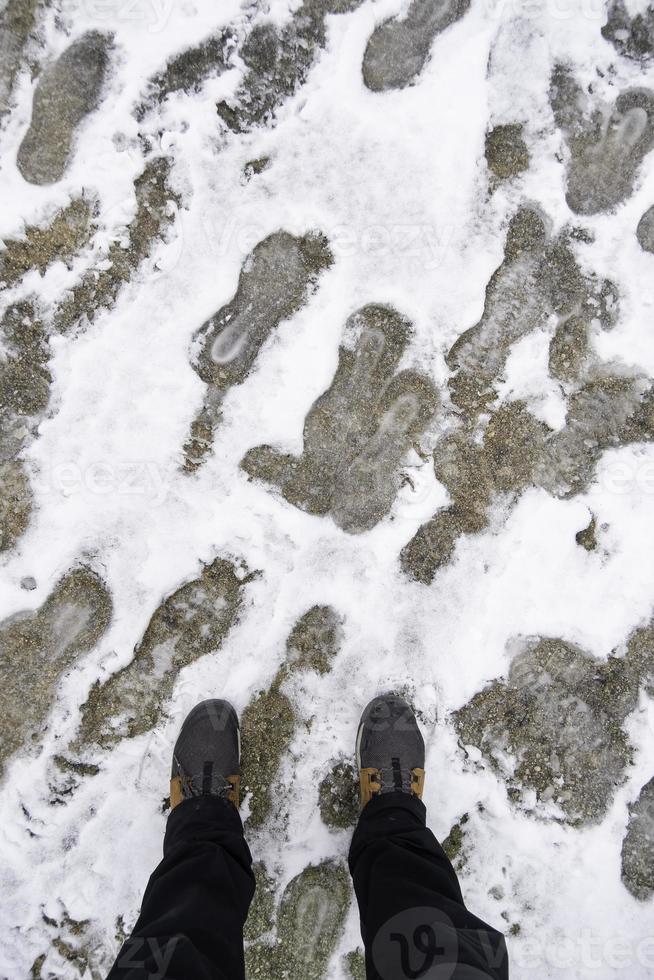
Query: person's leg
{"x": 197, "y": 900}
{"x": 413, "y": 919}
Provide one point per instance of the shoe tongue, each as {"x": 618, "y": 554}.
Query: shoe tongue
{"x": 207, "y": 778}
{"x": 397, "y": 774}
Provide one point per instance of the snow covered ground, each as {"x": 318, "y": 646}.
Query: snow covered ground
{"x": 473, "y": 522}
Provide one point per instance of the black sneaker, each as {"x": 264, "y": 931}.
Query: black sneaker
{"x": 390, "y": 749}
{"x": 207, "y": 754}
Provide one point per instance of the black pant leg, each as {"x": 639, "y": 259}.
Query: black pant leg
{"x": 413, "y": 919}
{"x": 196, "y": 902}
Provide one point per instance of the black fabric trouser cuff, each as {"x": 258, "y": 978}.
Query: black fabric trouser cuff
{"x": 197, "y": 818}
{"x": 383, "y": 815}
{"x": 197, "y": 899}
{"x": 410, "y": 901}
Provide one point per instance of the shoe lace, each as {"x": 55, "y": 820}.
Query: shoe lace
{"x": 205, "y": 783}
{"x": 395, "y": 778}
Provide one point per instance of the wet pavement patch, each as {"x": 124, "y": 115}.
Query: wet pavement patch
{"x": 507, "y": 154}
{"x": 645, "y": 231}
{"x": 24, "y": 377}
{"x": 495, "y": 452}
{"x": 275, "y": 282}
{"x": 570, "y": 348}
{"x": 15, "y": 503}
{"x": 357, "y": 433}
{"x": 314, "y": 641}
{"x": 99, "y": 288}
{"x": 553, "y": 730}
{"x": 261, "y": 917}
{"x": 338, "y": 796}
{"x": 538, "y": 279}
{"x": 638, "y": 846}
{"x": 453, "y": 844}
{"x": 37, "y": 648}
{"x": 587, "y": 537}
{"x": 632, "y": 37}
{"x": 269, "y": 721}
{"x": 66, "y": 92}
{"x": 278, "y": 63}
{"x": 399, "y": 48}
{"x": 308, "y": 927}
{"x": 606, "y": 147}
{"x": 190, "y": 623}
{"x": 186, "y": 72}
{"x": 17, "y": 21}
{"x": 24, "y": 395}
{"x": 267, "y": 728}
{"x": 355, "y": 965}
{"x": 39, "y": 246}
{"x": 255, "y": 167}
